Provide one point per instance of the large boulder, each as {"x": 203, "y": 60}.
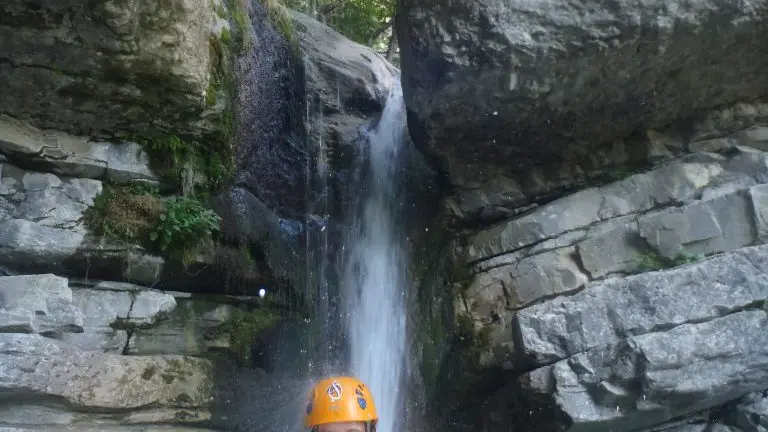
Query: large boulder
{"x": 647, "y": 379}
{"x": 494, "y": 88}
{"x": 613, "y": 265}
{"x": 344, "y": 78}
{"x": 346, "y": 87}
{"x": 111, "y": 66}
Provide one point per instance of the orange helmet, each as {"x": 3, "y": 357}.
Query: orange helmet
{"x": 340, "y": 399}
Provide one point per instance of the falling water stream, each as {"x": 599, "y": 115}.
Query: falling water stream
{"x": 374, "y": 272}
{"x": 355, "y": 282}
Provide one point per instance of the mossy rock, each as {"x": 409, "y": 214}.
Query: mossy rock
{"x": 653, "y": 261}
{"x": 243, "y": 328}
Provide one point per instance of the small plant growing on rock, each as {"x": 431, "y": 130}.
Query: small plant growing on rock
{"x": 653, "y": 260}
{"x": 183, "y": 223}
{"x": 125, "y": 212}
{"x": 137, "y": 214}
{"x": 168, "y": 153}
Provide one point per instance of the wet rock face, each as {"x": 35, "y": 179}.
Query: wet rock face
{"x": 109, "y": 66}
{"x": 272, "y": 156}
{"x": 347, "y": 85}
{"x": 494, "y": 88}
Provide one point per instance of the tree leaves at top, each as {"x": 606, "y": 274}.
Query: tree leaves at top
{"x": 368, "y": 22}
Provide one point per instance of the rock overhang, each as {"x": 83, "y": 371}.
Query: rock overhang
{"x": 504, "y": 86}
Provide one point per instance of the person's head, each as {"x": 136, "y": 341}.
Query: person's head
{"x": 340, "y": 404}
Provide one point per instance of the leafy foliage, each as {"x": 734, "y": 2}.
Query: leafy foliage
{"x": 364, "y": 21}
{"x": 137, "y": 214}
{"x": 184, "y": 222}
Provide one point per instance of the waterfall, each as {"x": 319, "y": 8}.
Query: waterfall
{"x": 374, "y": 268}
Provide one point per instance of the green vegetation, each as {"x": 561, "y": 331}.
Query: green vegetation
{"x": 177, "y": 370}
{"x": 212, "y": 89}
{"x": 243, "y": 328}
{"x": 241, "y": 24}
{"x": 183, "y": 223}
{"x": 125, "y": 213}
{"x": 149, "y": 372}
{"x": 137, "y": 214}
{"x": 280, "y": 19}
{"x": 221, "y": 12}
{"x": 368, "y": 22}
{"x": 170, "y": 156}
{"x": 653, "y": 260}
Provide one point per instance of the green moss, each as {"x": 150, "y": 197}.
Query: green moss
{"x": 243, "y": 328}
{"x": 169, "y": 154}
{"x": 221, "y": 12}
{"x": 210, "y": 94}
{"x": 247, "y": 254}
{"x": 183, "y": 399}
{"x": 653, "y": 260}
{"x": 241, "y": 20}
{"x": 621, "y": 171}
{"x": 149, "y": 372}
{"x": 469, "y": 337}
{"x": 192, "y": 308}
{"x": 168, "y": 378}
{"x": 240, "y": 23}
{"x": 226, "y": 37}
{"x": 178, "y": 370}
{"x": 432, "y": 269}
{"x": 282, "y": 22}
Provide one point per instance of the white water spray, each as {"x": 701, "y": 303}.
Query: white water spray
{"x": 375, "y": 271}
